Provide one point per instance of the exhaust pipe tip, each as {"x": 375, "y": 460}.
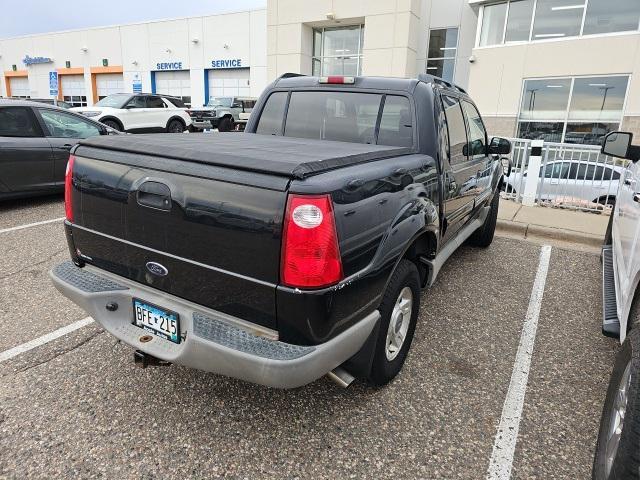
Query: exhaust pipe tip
{"x": 341, "y": 377}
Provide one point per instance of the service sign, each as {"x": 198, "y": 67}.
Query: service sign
{"x": 169, "y": 66}
{"x": 228, "y": 63}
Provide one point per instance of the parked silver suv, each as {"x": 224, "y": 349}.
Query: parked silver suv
{"x": 223, "y": 113}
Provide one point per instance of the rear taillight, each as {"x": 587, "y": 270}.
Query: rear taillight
{"x": 68, "y": 187}
{"x": 310, "y": 252}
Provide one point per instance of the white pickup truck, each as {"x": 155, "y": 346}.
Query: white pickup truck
{"x": 618, "y": 448}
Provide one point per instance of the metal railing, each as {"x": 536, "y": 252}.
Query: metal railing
{"x": 571, "y": 176}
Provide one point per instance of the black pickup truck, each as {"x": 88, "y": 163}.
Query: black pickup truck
{"x": 291, "y": 251}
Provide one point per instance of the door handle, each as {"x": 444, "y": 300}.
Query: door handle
{"x": 154, "y": 195}
{"x": 66, "y": 146}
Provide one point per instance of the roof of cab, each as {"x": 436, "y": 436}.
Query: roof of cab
{"x": 15, "y": 102}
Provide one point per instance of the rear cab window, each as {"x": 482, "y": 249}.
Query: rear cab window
{"x": 352, "y": 117}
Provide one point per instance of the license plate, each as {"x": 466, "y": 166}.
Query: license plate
{"x": 156, "y": 320}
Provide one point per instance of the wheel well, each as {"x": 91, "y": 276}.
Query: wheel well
{"x": 176, "y": 118}
{"x": 113, "y": 119}
{"x": 423, "y": 246}
{"x": 603, "y": 199}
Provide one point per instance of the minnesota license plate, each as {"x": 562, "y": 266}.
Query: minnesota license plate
{"x": 156, "y": 320}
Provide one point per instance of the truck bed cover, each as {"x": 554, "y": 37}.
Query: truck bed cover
{"x": 286, "y": 156}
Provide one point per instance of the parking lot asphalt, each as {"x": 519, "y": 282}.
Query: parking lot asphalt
{"x": 77, "y": 406}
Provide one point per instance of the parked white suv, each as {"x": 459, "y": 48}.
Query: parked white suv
{"x": 590, "y": 181}
{"x": 618, "y": 443}
{"x": 140, "y": 113}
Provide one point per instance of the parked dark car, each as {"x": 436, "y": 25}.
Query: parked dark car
{"x": 52, "y": 101}
{"x": 35, "y": 140}
{"x": 294, "y": 250}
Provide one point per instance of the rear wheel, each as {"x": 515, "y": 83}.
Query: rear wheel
{"x": 399, "y": 315}
{"x": 112, "y": 124}
{"x": 175, "y": 126}
{"x": 484, "y": 235}
{"x": 617, "y": 454}
{"x": 226, "y": 124}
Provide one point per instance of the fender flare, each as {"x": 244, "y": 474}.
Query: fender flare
{"x": 114, "y": 119}
{"x": 176, "y": 117}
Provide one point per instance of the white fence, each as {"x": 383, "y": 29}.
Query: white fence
{"x": 570, "y": 176}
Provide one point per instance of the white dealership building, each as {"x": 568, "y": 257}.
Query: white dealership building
{"x": 563, "y": 70}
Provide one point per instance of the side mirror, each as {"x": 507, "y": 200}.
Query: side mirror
{"x": 617, "y": 144}
{"x": 499, "y": 146}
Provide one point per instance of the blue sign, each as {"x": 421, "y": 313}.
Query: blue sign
{"x": 27, "y": 60}
{"x": 137, "y": 86}
{"x": 169, "y": 66}
{"x": 233, "y": 63}
{"x": 53, "y": 84}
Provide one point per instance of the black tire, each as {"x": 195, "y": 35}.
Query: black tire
{"x": 484, "y": 235}
{"x": 175, "y": 126}
{"x": 226, "y": 124}
{"x": 113, "y": 124}
{"x": 383, "y": 369}
{"x": 626, "y": 462}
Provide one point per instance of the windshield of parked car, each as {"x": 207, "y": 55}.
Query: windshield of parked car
{"x": 340, "y": 116}
{"x": 114, "y": 101}
{"x": 220, "y": 102}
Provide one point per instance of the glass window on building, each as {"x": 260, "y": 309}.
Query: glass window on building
{"x": 441, "y": 57}
{"x": 572, "y": 110}
{"x": 519, "y": 21}
{"x": 513, "y": 21}
{"x": 338, "y": 51}
{"x": 606, "y": 16}
{"x": 493, "y": 18}
{"x": 558, "y": 18}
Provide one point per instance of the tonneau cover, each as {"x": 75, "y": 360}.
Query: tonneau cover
{"x": 292, "y": 157}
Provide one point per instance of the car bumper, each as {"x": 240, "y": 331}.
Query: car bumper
{"x": 211, "y": 341}
{"x": 205, "y": 123}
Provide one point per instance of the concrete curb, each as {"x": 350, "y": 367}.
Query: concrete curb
{"x": 527, "y": 230}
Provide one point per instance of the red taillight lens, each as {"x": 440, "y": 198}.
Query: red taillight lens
{"x": 337, "y": 79}
{"x": 68, "y": 186}
{"x": 310, "y": 252}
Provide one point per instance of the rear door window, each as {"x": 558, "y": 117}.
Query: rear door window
{"x": 155, "y": 102}
{"x": 456, "y": 129}
{"x": 273, "y": 114}
{"x": 396, "y": 125}
{"x": 18, "y": 122}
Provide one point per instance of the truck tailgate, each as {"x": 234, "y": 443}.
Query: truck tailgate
{"x": 215, "y": 231}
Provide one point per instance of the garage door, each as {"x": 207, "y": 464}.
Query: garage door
{"x": 108, "y": 84}
{"x": 73, "y": 90}
{"x": 19, "y": 87}
{"x": 174, "y": 83}
{"x": 233, "y": 82}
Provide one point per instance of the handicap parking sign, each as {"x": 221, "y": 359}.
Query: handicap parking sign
{"x": 53, "y": 84}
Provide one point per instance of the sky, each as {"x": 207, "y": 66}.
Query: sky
{"x": 40, "y": 16}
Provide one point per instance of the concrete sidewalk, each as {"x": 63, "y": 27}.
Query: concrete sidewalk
{"x": 551, "y": 224}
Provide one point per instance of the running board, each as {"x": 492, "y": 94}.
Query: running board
{"x": 443, "y": 255}
{"x": 610, "y": 321}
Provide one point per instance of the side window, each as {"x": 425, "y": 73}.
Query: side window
{"x": 396, "y": 126}
{"x": 137, "y": 102}
{"x": 18, "y": 122}
{"x": 270, "y": 122}
{"x": 456, "y": 128}
{"x": 477, "y": 132}
{"x": 176, "y": 102}
{"x": 155, "y": 102}
{"x": 557, "y": 170}
{"x": 65, "y": 125}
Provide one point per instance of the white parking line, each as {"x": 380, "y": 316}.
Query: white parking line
{"x": 61, "y": 332}
{"x": 29, "y": 225}
{"x": 507, "y": 435}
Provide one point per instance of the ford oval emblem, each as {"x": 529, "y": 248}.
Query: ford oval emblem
{"x": 157, "y": 269}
